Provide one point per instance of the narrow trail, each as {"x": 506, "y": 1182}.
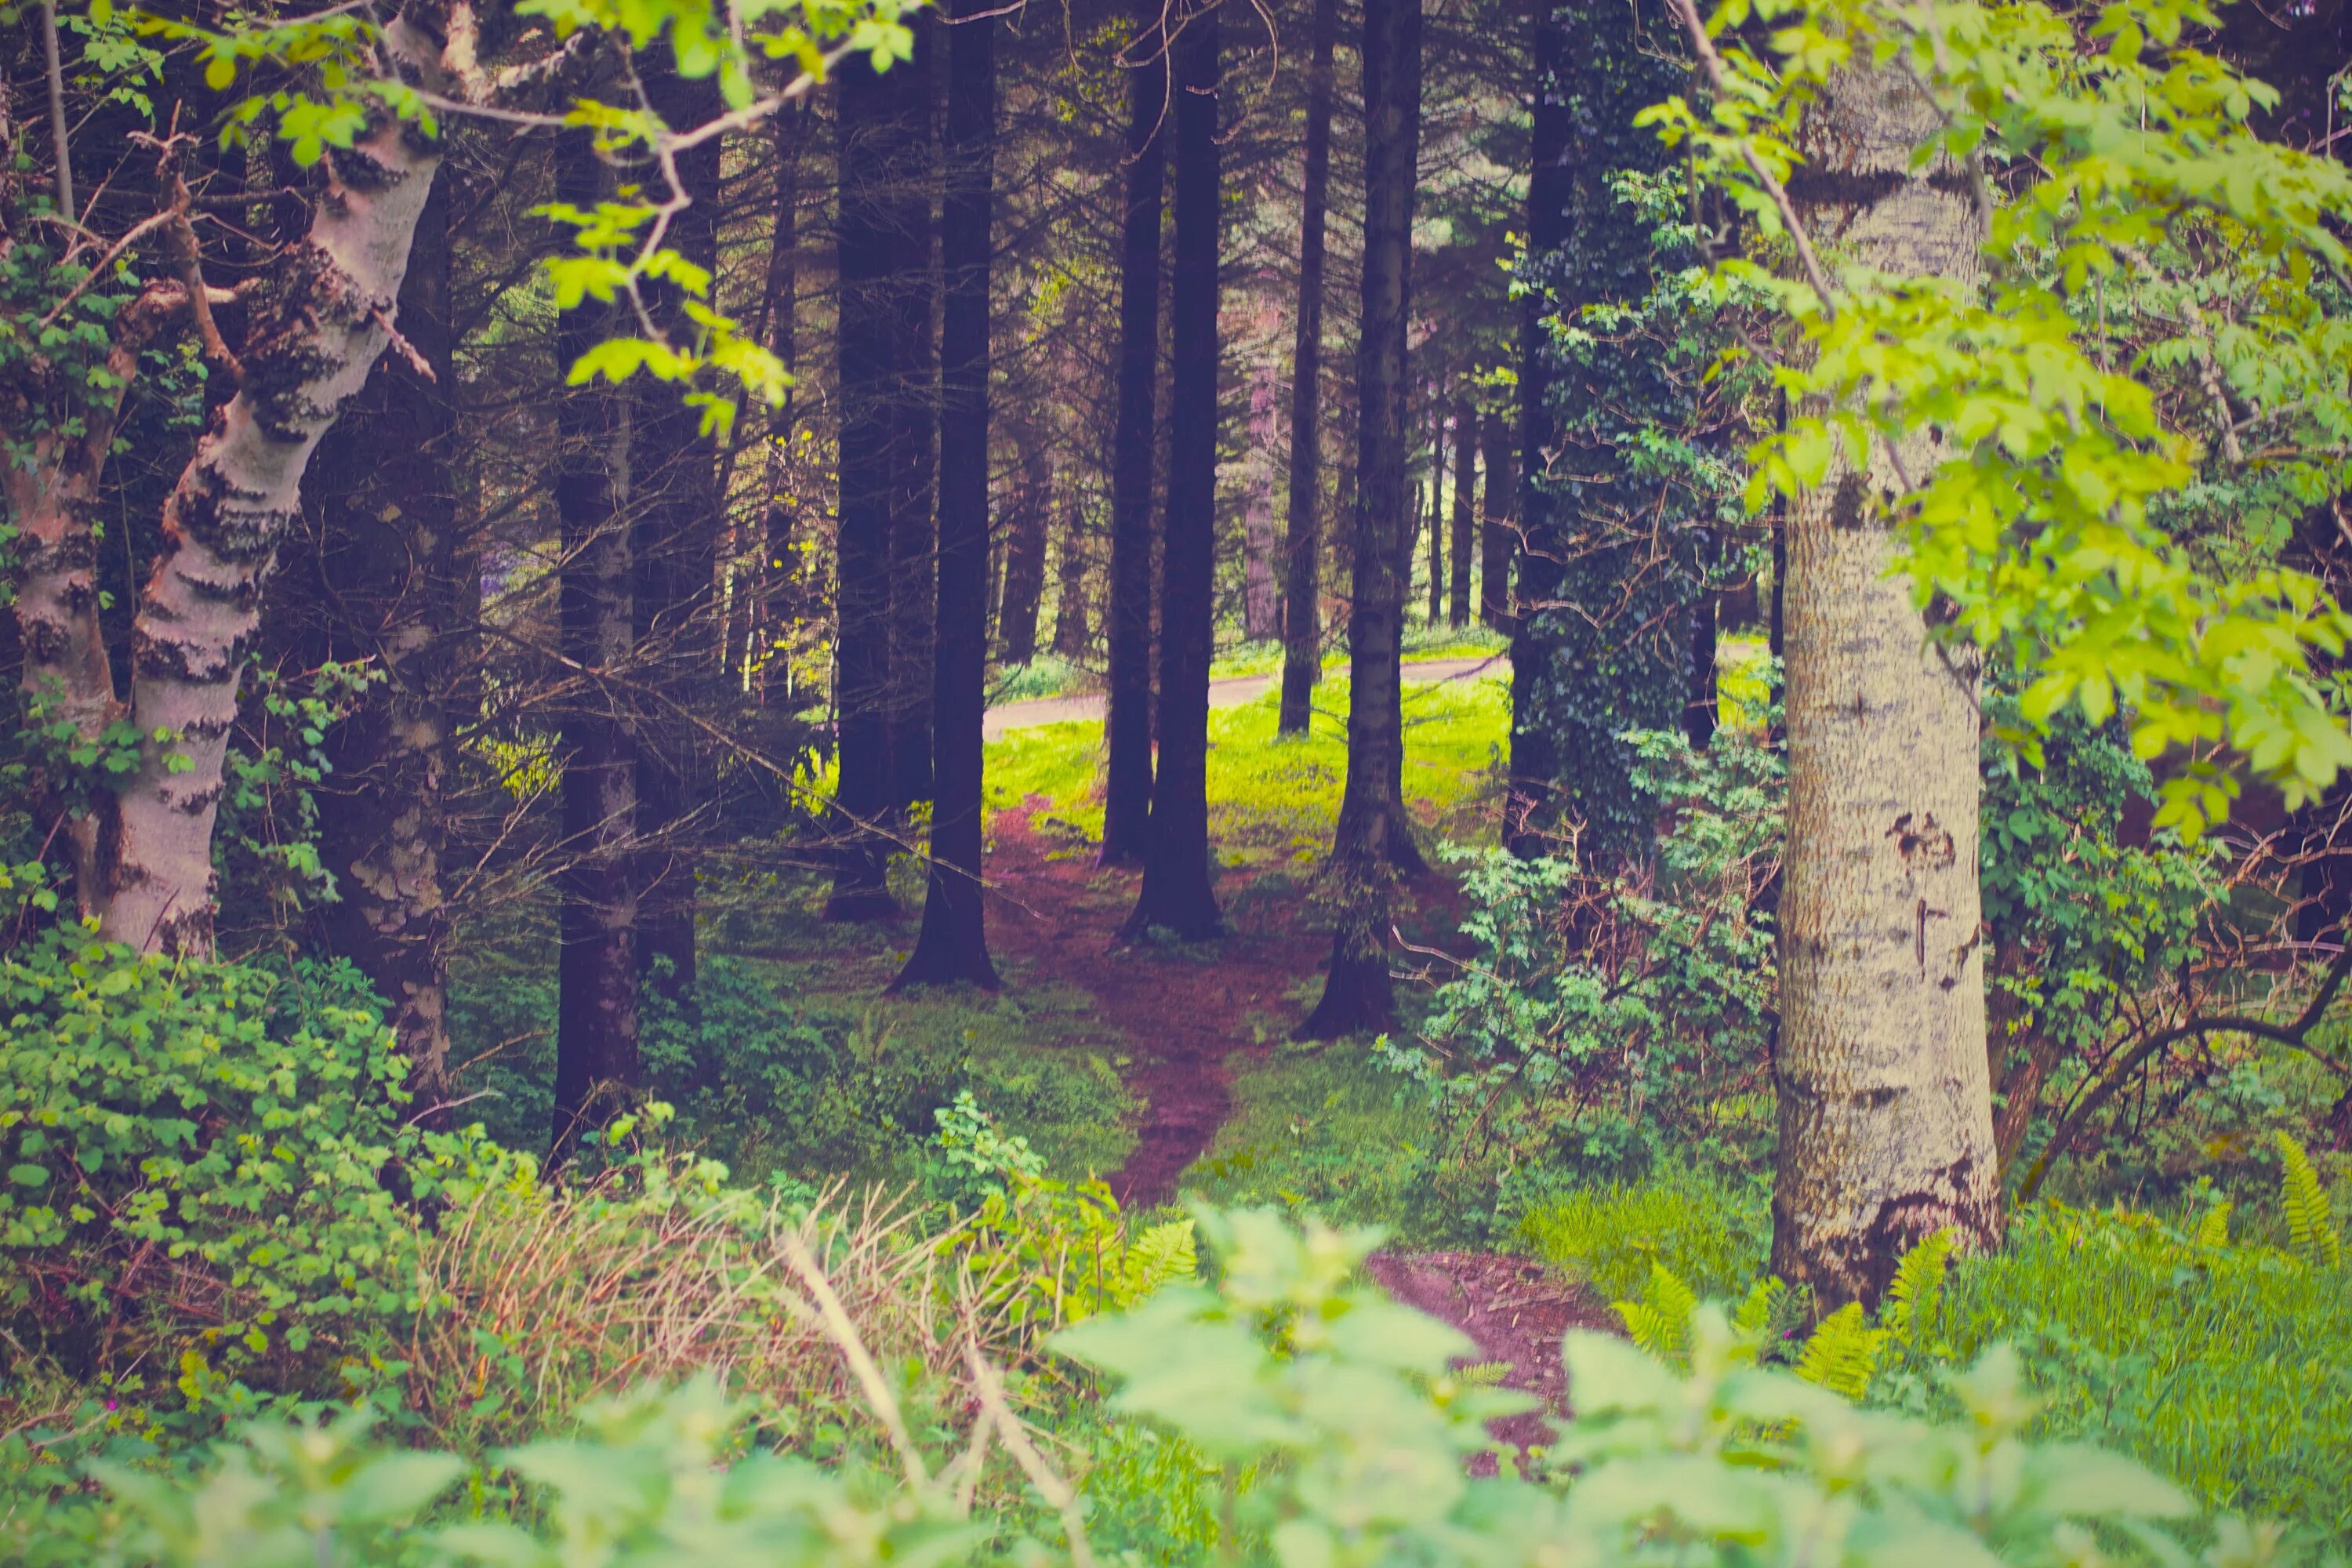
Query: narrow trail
{"x": 1187, "y": 1013}
{"x": 1184, "y": 1010}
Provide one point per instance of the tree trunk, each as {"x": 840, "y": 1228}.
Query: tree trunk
{"x": 596, "y": 1010}
{"x": 1176, "y": 890}
{"x": 1073, "y": 626}
{"x": 914, "y": 537}
{"x": 1127, "y": 722}
{"x": 782, "y": 596}
{"x": 1437, "y": 522}
{"x": 1498, "y": 536}
{"x": 1699, "y": 714}
{"x": 386, "y": 585}
{"x": 1302, "y": 622}
{"x": 1886, "y": 1116}
{"x": 1357, "y": 993}
{"x": 1024, "y": 559}
{"x": 879, "y": 123}
{"x": 675, "y": 520}
{"x": 314, "y": 335}
{"x": 953, "y": 943}
{"x": 1466, "y": 495}
{"x": 1261, "y": 608}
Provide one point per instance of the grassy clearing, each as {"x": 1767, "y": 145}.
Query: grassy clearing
{"x": 1271, "y": 798}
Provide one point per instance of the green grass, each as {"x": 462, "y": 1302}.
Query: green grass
{"x": 1320, "y": 1128}
{"x": 1276, "y": 798}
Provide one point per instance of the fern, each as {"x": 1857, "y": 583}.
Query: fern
{"x": 1843, "y": 1352}
{"x": 2213, "y": 1230}
{"x": 1759, "y": 1315}
{"x": 1661, "y": 1325}
{"x": 1160, "y": 1256}
{"x": 1909, "y": 1310}
{"x": 2310, "y": 1227}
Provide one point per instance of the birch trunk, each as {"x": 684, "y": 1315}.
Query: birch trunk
{"x": 315, "y": 332}
{"x": 1885, "y": 1114}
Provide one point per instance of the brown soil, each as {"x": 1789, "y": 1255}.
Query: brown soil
{"x": 1513, "y": 1311}
{"x": 1187, "y": 1010}
{"x": 1184, "y": 1009}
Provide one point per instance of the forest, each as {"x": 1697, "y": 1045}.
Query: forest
{"x": 1175, "y": 781}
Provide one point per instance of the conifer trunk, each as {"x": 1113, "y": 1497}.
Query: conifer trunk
{"x": 1498, "y": 536}
{"x": 1127, "y": 723}
{"x": 1176, "y": 890}
{"x": 1886, "y": 1118}
{"x": 597, "y": 969}
{"x": 1024, "y": 559}
{"x": 1302, "y": 622}
{"x": 1465, "y": 494}
{"x": 953, "y": 943}
{"x": 1357, "y": 992}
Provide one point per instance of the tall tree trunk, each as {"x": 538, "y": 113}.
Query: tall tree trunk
{"x": 1437, "y": 522}
{"x": 1357, "y": 993}
{"x": 1700, "y": 713}
{"x": 1176, "y": 890}
{"x": 1302, "y": 622}
{"x": 315, "y": 333}
{"x": 1885, "y": 1114}
{"x": 879, "y": 122}
{"x": 1466, "y": 495}
{"x": 782, "y": 597}
{"x": 1498, "y": 536}
{"x": 1261, "y": 609}
{"x": 675, "y": 520}
{"x": 596, "y": 970}
{"x": 953, "y": 943}
{"x": 1127, "y": 722}
{"x": 1073, "y": 625}
{"x": 1025, "y": 558}
{"x": 386, "y": 585}
{"x": 914, "y": 534}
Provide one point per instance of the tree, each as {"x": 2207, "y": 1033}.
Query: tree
{"x": 1357, "y": 992}
{"x": 1302, "y": 628}
{"x": 953, "y": 943}
{"x": 1497, "y": 534}
{"x": 1127, "y": 723}
{"x": 674, "y": 549}
{"x": 1465, "y": 491}
{"x": 882, "y": 116}
{"x": 1176, "y": 893}
{"x": 596, "y": 966}
{"x": 384, "y": 583}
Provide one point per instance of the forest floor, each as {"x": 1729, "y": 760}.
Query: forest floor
{"x": 1198, "y": 1017}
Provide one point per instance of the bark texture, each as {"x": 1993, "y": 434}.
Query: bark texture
{"x": 314, "y": 331}
{"x": 953, "y": 943}
{"x": 1302, "y": 626}
{"x": 386, "y": 585}
{"x": 1498, "y": 531}
{"x": 1466, "y": 496}
{"x": 1357, "y": 993}
{"x": 596, "y": 1052}
{"x": 1025, "y": 558}
{"x": 1127, "y": 720}
{"x": 1176, "y": 890}
{"x": 1885, "y": 1115}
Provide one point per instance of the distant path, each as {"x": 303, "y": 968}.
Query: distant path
{"x": 1230, "y": 692}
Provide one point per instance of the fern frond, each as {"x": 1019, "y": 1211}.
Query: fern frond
{"x": 2310, "y": 1227}
{"x": 1843, "y": 1352}
{"x": 1756, "y": 1314}
{"x": 1160, "y": 1256}
{"x": 2213, "y": 1230}
{"x": 1661, "y": 1325}
{"x": 1911, "y": 1301}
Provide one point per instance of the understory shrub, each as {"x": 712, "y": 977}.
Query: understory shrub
{"x": 1329, "y": 1417}
{"x": 207, "y": 1159}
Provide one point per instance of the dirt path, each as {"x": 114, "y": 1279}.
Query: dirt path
{"x": 1184, "y": 1010}
{"x": 1230, "y": 692}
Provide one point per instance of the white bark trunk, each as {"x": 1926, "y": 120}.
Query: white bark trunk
{"x": 317, "y": 328}
{"x": 1885, "y": 1107}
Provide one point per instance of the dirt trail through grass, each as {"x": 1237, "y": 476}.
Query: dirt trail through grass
{"x": 1190, "y": 1012}
{"x": 1185, "y": 1009}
